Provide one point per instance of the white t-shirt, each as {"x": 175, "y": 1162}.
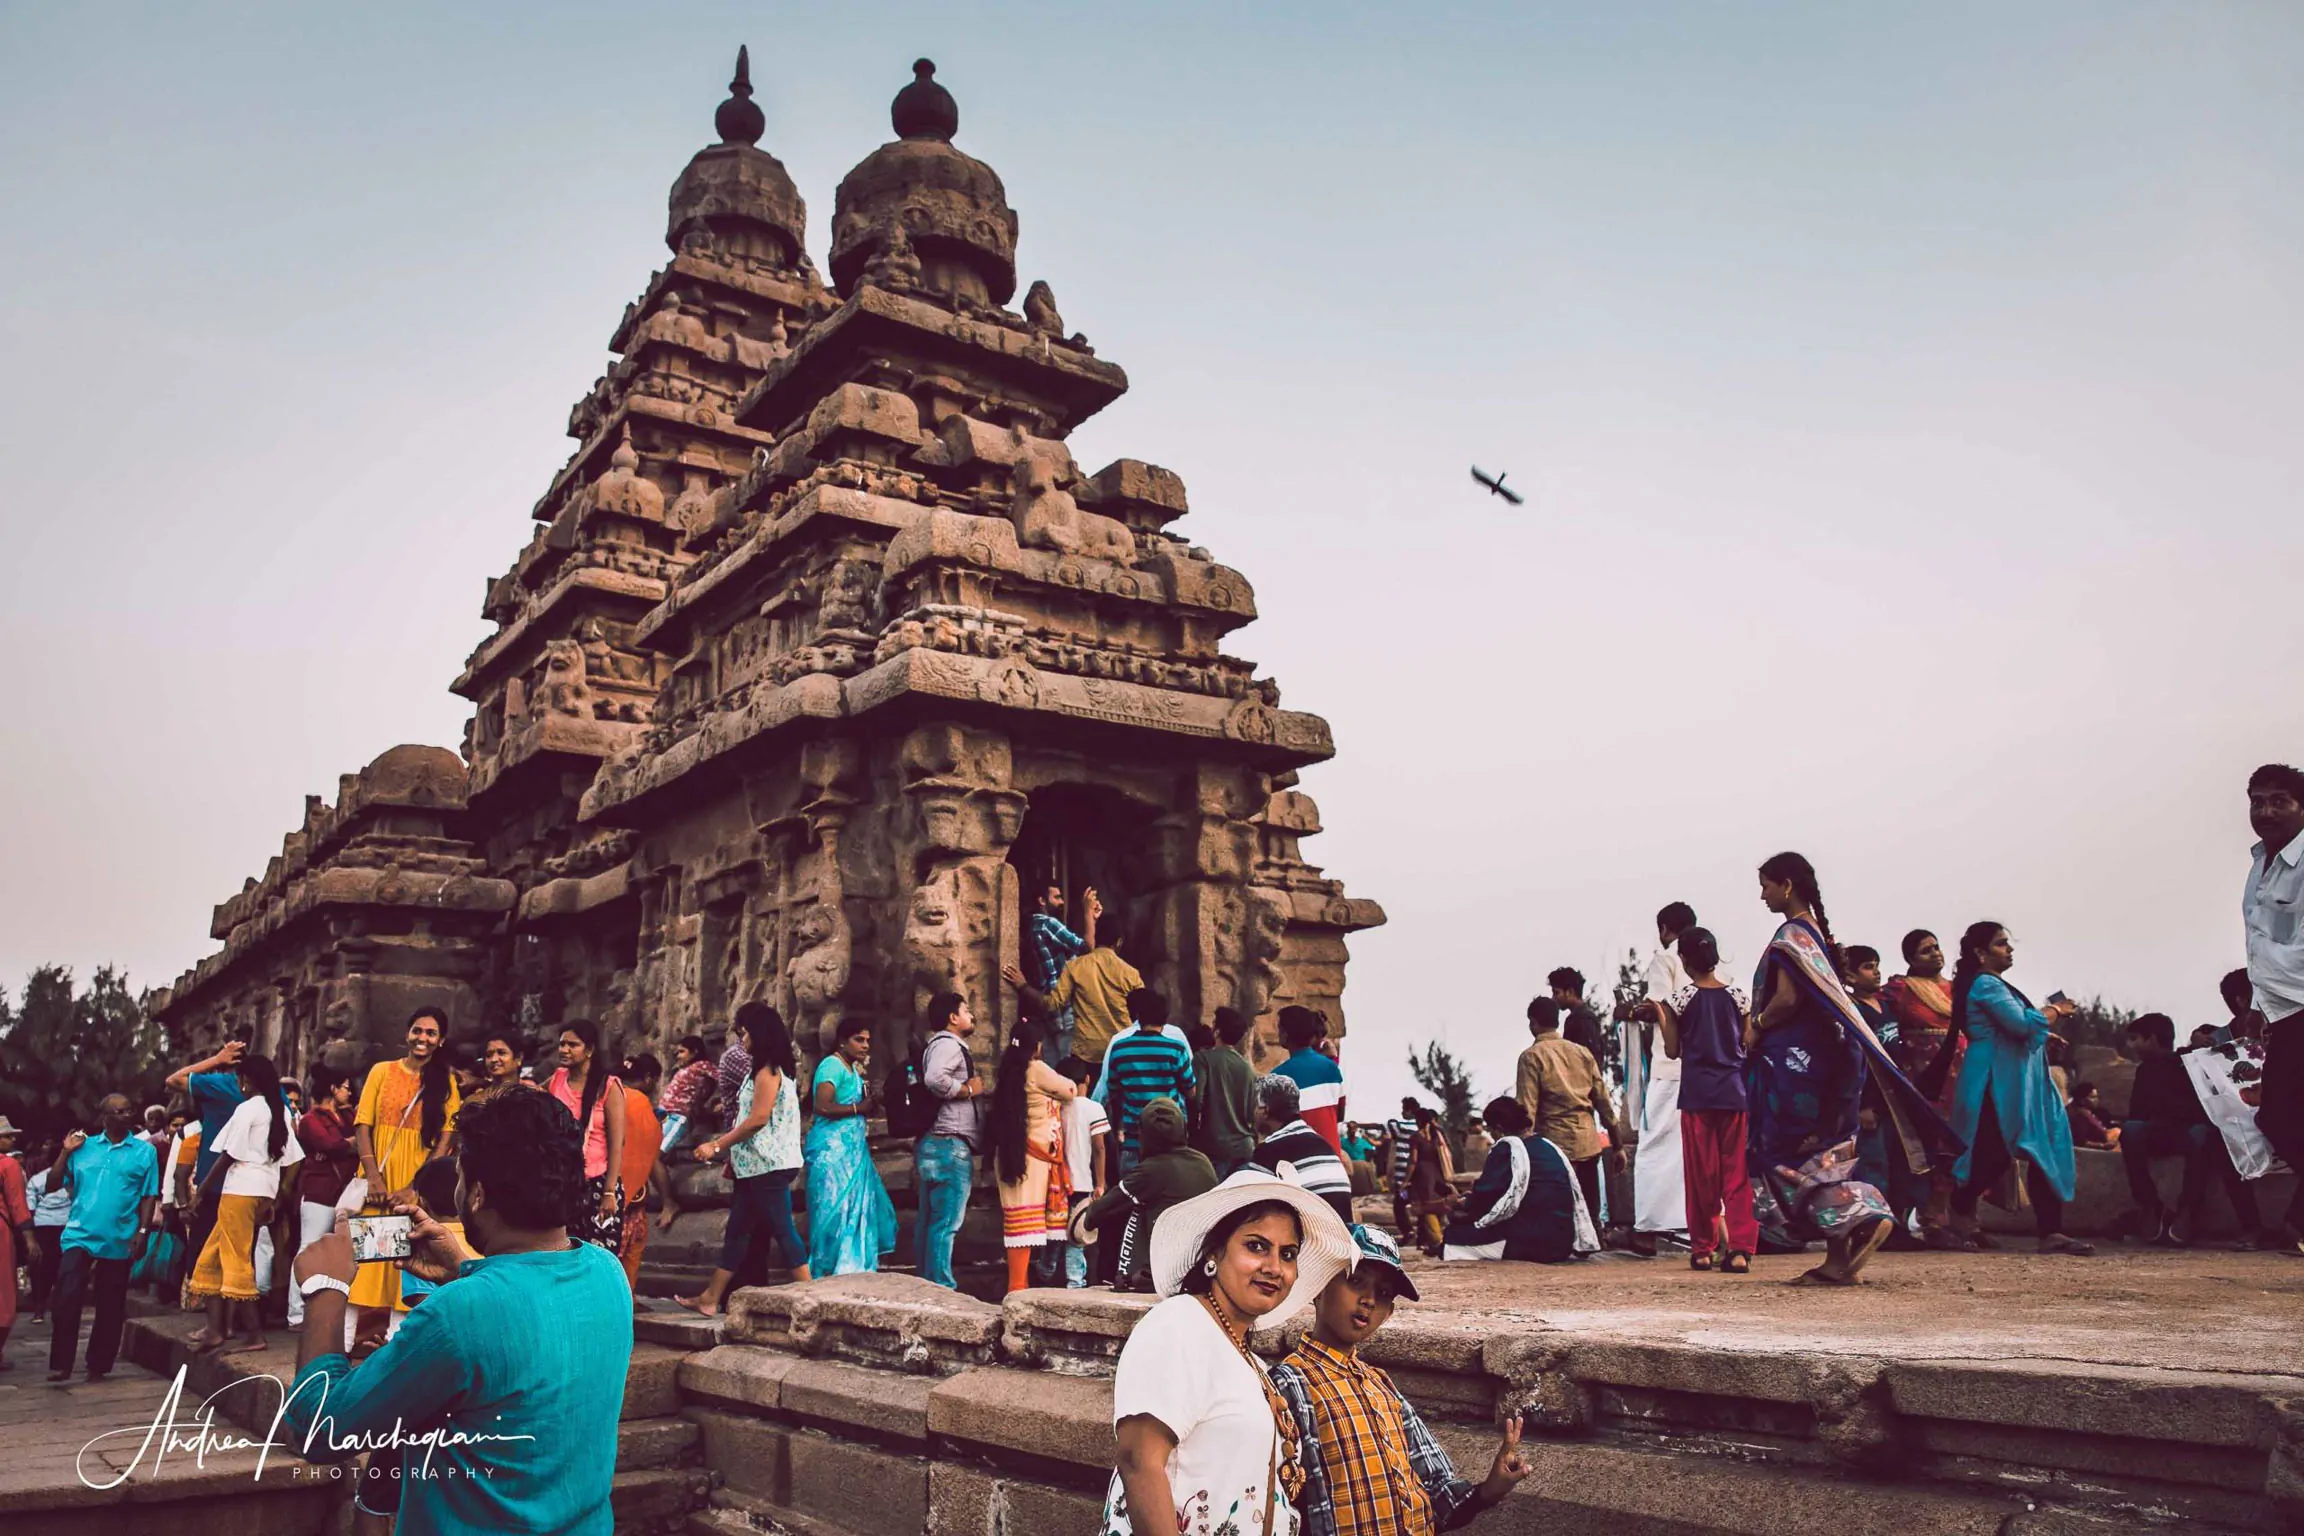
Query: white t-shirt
{"x": 1180, "y": 1368}
{"x": 247, "y": 1136}
{"x": 1084, "y": 1120}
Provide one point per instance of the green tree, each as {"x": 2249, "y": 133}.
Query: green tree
{"x": 1631, "y": 987}
{"x": 63, "y": 1049}
{"x": 1444, "y": 1077}
{"x": 2101, "y": 1023}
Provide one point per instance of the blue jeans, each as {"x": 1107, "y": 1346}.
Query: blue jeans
{"x": 760, "y": 1212}
{"x": 1075, "y": 1256}
{"x": 943, "y": 1171}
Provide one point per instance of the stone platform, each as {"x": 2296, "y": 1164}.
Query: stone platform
{"x": 58, "y": 1440}
{"x": 2013, "y": 1394}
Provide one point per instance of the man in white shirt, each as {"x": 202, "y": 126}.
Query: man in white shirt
{"x": 2272, "y": 908}
{"x": 1652, "y": 1095}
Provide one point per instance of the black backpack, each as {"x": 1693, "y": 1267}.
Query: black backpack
{"x": 905, "y": 1099}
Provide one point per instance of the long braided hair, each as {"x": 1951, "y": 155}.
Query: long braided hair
{"x": 1972, "y": 942}
{"x": 595, "y": 1072}
{"x": 263, "y": 1080}
{"x": 1802, "y": 875}
{"x": 433, "y": 1082}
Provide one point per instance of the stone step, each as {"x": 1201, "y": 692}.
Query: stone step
{"x": 657, "y": 1501}
{"x": 643, "y": 1443}
{"x": 733, "y": 1514}
{"x": 676, "y": 1328}
{"x": 651, "y": 1382}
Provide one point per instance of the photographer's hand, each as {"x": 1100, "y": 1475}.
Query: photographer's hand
{"x": 434, "y": 1253}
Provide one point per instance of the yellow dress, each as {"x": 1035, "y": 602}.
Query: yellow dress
{"x": 391, "y": 1106}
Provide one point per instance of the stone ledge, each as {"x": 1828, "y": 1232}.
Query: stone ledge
{"x": 898, "y": 1322}
{"x": 2199, "y": 1408}
{"x": 1062, "y": 1418}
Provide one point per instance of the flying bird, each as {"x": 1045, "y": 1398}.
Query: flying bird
{"x": 1496, "y": 485}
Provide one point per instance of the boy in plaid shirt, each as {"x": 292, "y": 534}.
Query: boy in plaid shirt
{"x": 1372, "y": 1468}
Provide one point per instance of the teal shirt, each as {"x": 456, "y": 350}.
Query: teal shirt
{"x": 110, "y": 1181}
{"x": 526, "y": 1353}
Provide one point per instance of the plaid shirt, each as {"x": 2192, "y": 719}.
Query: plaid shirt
{"x": 1054, "y": 946}
{"x": 1371, "y": 1466}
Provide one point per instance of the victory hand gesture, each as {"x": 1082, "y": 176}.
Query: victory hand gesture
{"x": 1510, "y": 1469}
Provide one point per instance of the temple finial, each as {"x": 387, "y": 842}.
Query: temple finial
{"x": 740, "y": 120}
{"x": 924, "y": 109}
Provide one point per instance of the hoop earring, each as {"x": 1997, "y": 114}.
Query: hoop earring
{"x": 1208, "y": 1268}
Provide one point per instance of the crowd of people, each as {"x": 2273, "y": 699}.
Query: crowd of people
{"x": 1827, "y": 1104}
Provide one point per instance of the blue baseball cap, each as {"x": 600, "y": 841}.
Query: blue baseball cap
{"x": 1377, "y": 1247}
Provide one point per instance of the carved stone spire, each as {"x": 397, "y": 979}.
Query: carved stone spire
{"x": 740, "y": 119}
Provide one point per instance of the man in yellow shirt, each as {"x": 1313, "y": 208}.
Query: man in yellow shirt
{"x": 1095, "y": 987}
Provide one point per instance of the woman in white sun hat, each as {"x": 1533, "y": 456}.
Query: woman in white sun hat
{"x": 1204, "y": 1438}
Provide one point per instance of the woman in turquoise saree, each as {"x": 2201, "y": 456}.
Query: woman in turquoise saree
{"x": 1808, "y": 1051}
{"x": 850, "y": 1220}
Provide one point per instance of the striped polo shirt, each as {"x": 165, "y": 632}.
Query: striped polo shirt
{"x": 1316, "y": 1164}
{"x": 1319, "y": 1093}
{"x": 1141, "y": 1065}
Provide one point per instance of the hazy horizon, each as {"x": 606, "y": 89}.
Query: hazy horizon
{"x": 1905, "y": 399}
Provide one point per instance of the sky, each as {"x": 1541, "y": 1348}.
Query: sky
{"x": 1906, "y": 397}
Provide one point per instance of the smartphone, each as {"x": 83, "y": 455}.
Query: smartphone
{"x": 2058, "y": 996}
{"x": 379, "y": 1237}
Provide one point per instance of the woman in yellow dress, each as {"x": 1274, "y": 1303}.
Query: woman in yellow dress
{"x": 407, "y": 1109}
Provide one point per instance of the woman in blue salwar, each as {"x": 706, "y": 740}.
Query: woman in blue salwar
{"x": 1807, "y": 1053}
{"x": 2004, "y": 1105}
{"x": 850, "y": 1220}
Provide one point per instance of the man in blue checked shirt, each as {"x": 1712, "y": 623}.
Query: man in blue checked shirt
{"x": 1052, "y": 946}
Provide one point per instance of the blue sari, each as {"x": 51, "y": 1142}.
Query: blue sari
{"x": 1805, "y": 1082}
{"x": 850, "y": 1220}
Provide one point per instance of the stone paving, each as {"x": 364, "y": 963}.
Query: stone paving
{"x": 57, "y": 1445}
{"x": 2199, "y": 1310}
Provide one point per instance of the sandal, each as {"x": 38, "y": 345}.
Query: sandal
{"x": 2057, "y": 1242}
{"x": 1701, "y": 1261}
{"x": 1738, "y": 1262}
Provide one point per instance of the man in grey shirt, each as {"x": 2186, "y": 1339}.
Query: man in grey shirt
{"x": 944, "y": 1164}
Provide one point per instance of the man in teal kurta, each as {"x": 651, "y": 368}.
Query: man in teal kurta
{"x": 509, "y": 1378}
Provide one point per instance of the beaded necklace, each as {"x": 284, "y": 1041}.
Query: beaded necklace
{"x": 1288, "y": 1463}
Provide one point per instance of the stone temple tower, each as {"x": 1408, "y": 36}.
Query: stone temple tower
{"x": 921, "y": 663}
{"x": 825, "y": 655}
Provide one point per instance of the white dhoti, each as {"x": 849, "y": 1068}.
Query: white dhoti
{"x": 1659, "y": 1189}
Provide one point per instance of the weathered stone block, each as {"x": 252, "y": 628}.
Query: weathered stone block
{"x": 748, "y": 1453}
{"x": 891, "y": 1320}
{"x": 653, "y": 1442}
{"x": 1077, "y": 1331}
{"x": 2203, "y": 1408}
{"x": 652, "y": 1382}
{"x": 740, "y": 1375}
{"x": 966, "y": 1501}
{"x": 856, "y": 1487}
{"x": 1066, "y": 1418}
{"x": 858, "y": 1397}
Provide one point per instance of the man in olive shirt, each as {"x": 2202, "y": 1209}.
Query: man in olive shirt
{"x": 1224, "y": 1119}
{"x": 1095, "y": 987}
{"x": 1561, "y": 1088}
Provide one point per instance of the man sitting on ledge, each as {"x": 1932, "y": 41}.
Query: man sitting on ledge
{"x": 505, "y": 1386}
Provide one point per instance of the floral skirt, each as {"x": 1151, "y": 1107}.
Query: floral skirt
{"x": 1821, "y": 1198}
{"x": 589, "y": 1226}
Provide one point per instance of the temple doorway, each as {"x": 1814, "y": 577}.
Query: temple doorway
{"x": 1084, "y": 836}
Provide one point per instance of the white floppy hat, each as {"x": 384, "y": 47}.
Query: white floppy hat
{"x": 1183, "y": 1228}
